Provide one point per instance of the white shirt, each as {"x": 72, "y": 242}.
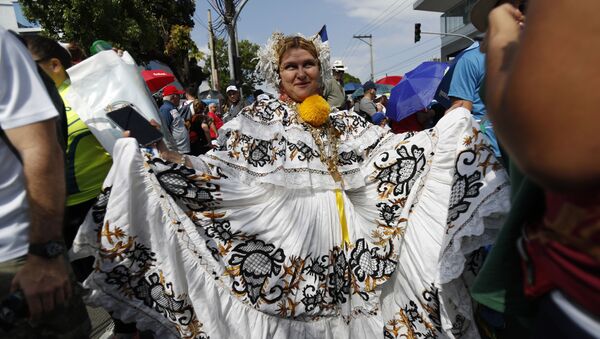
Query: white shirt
{"x": 23, "y": 101}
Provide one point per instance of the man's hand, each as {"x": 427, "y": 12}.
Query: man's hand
{"x": 506, "y": 23}
{"x": 45, "y": 283}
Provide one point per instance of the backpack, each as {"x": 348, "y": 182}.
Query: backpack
{"x": 363, "y": 114}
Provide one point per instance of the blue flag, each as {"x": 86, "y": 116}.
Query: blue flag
{"x": 323, "y": 34}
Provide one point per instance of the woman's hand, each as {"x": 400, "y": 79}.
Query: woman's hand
{"x": 160, "y": 146}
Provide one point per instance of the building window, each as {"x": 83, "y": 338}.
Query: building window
{"x": 22, "y": 21}
{"x": 458, "y": 17}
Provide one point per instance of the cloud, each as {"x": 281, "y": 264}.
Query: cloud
{"x": 392, "y": 25}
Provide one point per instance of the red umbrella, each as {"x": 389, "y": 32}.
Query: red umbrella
{"x": 157, "y": 79}
{"x": 389, "y": 80}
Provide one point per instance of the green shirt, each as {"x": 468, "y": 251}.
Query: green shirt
{"x": 88, "y": 162}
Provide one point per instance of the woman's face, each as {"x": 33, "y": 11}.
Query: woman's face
{"x": 300, "y": 74}
{"x": 212, "y": 108}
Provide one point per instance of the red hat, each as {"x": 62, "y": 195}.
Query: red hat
{"x": 170, "y": 90}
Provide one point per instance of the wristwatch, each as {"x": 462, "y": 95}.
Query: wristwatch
{"x": 48, "y": 250}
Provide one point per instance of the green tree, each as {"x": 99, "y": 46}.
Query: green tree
{"x": 348, "y": 78}
{"x": 143, "y": 28}
{"x": 248, "y": 52}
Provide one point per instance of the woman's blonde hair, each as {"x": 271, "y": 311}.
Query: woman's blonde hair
{"x": 291, "y": 42}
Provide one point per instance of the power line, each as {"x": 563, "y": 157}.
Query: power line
{"x": 425, "y": 42}
{"x": 388, "y": 15}
{"x": 406, "y": 62}
{"x": 198, "y": 21}
{"x": 352, "y": 44}
{"x": 384, "y": 13}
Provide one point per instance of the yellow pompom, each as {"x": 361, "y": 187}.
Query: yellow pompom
{"x": 314, "y": 110}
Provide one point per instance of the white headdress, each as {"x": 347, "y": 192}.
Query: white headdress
{"x": 268, "y": 59}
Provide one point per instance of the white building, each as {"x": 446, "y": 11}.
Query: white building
{"x": 455, "y": 18}
{"x": 11, "y": 17}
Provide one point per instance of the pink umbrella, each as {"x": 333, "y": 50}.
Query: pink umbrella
{"x": 157, "y": 79}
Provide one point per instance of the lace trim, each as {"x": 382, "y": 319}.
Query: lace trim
{"x": 265, "y": 144}
{"x": 478, "y": 230}
{"x": 128, "y": 313}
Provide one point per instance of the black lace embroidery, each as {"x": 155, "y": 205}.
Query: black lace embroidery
{"x": 403, "y": 172}
{"x": 465, "y": 186}
{"x": 99, "y": 208}
{"x": 185, "y": 185}
{"x": 256, "y": 262}
{"x": 136, "y": 280}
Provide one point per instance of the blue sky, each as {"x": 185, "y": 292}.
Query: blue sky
{"x": 391, "y": 22}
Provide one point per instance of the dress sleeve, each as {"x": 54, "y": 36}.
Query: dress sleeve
{"x": 455, "y": 207}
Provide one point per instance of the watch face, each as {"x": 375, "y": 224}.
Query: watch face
{"x": 54, "y": 249}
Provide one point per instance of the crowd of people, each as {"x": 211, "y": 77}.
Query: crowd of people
{"x": 309, "y": 215}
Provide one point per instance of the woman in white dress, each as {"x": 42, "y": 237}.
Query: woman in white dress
{"x": 305, "y": 222}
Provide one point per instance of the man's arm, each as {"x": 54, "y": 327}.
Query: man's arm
{"x": 456, "y": 102}
{"x": 45, "y": 282}
{"x": 546, "y": 114}
{"x": 463, "y": 86}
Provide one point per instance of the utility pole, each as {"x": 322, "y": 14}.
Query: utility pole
{"x": 213, "y": 57}
{"x": 370, "y": 43}
{"x": 230, "y": 19}
{"x": 232, "y": 44}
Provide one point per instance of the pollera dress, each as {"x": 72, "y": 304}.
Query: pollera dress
{"x": 259, "y": 241}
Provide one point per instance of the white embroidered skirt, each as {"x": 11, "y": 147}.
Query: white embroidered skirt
{"x": 218, "y": 251}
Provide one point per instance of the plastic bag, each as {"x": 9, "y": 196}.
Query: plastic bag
{"x": 105, "y": 82}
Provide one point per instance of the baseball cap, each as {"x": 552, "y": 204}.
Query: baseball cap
{"x": 377, "y": 118}
{"x": 170, "y": 90}
{"x": 231, "y": 88}
{"x": 262, "y": 97}
{"x": 369, "y": 85}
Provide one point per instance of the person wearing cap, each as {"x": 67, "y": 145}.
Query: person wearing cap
{"x": 379, "y": 119}
{"x": 467, "y": 80}
{"x": 34, "y": 272}
{"x": 381, "y": 101}
{"x": 171, "y": 118}
{"x": 333, "y": 90}
{"x": 88, "y": 163}
{"x": 366, "y": 107}
{"x": 547, "y": 123}
{"x": 234, "y": 103}
{"x": 339, "y": 70}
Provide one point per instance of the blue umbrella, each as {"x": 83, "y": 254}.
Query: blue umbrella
{"x": 416, "y": 90}
{"x": 441, "y": 94}
{"x": 351, "y": 87}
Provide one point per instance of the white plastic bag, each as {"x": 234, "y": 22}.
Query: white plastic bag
{"x": 103, "y": 83}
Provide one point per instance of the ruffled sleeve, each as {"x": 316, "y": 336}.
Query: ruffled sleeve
{"x": 458, "y": 206}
